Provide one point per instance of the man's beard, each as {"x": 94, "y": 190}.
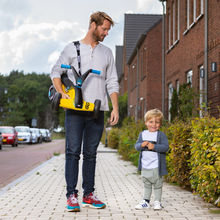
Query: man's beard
{"x": 97, "y": 36}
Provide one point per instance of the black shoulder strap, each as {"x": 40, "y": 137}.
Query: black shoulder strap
{"x": 77, "y": 44}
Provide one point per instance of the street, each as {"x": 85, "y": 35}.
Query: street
{"x": 17, "y": 161}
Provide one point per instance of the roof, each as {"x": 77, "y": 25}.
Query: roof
{"x": 134, "y": 25}
{"x": 140, "y": 40}
{"x": 119, "y": 60}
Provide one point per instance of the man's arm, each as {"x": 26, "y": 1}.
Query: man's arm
{"x": 58, "y": 87}
{"x": 114, "y": 113}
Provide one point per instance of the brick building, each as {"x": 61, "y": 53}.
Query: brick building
{"x": 141, "y": 69}
{"x": 192, "y": 47}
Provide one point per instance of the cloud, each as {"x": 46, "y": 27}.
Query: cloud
{"x": 33, "y": 33}
{"x": 149, "y": 7}
{"x": 30, "y": 44}
{"x": 12, "y": 13}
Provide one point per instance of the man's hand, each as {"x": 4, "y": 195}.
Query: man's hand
{"x": 114, "y": 117}
{"x": 65, "y": 96}
{"x": 114, "y": 113}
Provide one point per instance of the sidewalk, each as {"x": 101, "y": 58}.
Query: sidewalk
{"x": 41, "y": 195}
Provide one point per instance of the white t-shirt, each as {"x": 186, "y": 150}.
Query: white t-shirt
{"x": 149, "y": 159}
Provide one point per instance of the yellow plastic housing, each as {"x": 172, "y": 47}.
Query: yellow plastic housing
{"x": 70, "y": 103}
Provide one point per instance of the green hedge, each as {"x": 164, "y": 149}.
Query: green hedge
{"x": 179, "y": 154}
{"x": 193, "y": 159}
{"x": 205, "y": 159}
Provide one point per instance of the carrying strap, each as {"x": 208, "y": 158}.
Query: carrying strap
{"x": 77, "y": 44}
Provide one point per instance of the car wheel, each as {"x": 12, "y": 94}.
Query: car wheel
{"x": 56, "y": 102}
{"x": 96, "y": 109}
{"x": 1, "y": 146}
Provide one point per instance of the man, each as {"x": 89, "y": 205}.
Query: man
{"x": 79, "y": 125}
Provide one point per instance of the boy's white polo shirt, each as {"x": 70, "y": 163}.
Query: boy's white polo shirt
{"x": 149, "y": 159}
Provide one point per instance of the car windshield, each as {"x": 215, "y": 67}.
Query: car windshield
{"x": 43, "y": 131}
{"x": 22, "y": 129}
{"x": 6, "y": 130}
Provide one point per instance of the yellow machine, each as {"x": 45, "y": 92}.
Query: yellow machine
{"x": 76, "y": 101}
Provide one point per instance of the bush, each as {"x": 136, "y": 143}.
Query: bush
{"x": 205, "y": 159}
{"x": 128, "y": 137}
{"x": 113, "y": 138}
{"x": 179, "y": 154}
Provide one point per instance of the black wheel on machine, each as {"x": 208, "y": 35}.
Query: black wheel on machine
{"x": 56, "y": 102}
{"x": 96, "y": 109}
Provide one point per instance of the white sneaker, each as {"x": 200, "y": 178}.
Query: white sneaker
{"x": 157, "y": 205}
{"x": 143, "y": 205}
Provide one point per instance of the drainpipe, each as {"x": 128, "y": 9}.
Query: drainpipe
{"x": 206, "y": 54}
{"x": 163, "y": 57}
{"x": 137, "y": 84}
{"x": 128, "y": 107}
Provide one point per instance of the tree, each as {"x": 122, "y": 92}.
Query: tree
{"x": 174, "y": 110}
{"x": 183, "y": 105}
{"x": 122, "y": 104}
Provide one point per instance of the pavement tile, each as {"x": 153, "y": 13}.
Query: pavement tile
{"x": 42, "y": 195}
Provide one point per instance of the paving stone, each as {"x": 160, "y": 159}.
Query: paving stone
{"x": 118, "y": 184}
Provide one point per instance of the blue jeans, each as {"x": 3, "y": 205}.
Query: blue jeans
{"x": 81, "y": 128}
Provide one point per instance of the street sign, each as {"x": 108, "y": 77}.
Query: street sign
{"x": 34, "y": 122}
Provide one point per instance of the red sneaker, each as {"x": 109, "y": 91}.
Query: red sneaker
{"x": 92, "y": 201}
{"x": 72, "y": 203}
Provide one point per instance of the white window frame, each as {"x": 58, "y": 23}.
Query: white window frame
{"x": 178, "y": 20}
{"x": 174, "y": 22}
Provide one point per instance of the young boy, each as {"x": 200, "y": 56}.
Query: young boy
{"x": 153, "y": 145}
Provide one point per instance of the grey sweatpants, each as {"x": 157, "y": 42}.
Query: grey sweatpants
{"x": 151, "y": 178}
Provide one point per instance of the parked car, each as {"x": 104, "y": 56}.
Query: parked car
{"x": 0, "y": 141}
{"x": 9, "y": 136}
{"x": 37, "y": 136}
{"x": 49, "y": 135}
{"x": 24, "y": 134}
{"x": 45, "y": 135}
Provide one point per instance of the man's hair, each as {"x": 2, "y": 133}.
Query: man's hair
{"x": 154, "y": 113}
{"x": 99, "y": 17}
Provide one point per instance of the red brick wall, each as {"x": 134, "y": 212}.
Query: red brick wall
{"x": 150, "y": 82}
{"x": 188, "y": 53}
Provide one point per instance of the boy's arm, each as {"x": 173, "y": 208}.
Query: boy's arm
{"x": 163, "y": 146}
{"x": 141, "y": 145}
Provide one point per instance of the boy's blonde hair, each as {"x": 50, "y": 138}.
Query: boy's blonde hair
{"x": 99, "y": 17}
{"x": 154, "y": 113}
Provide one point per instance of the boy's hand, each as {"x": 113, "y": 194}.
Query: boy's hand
{"x": 150, "y": 146}
{"x": 144, "y": 144}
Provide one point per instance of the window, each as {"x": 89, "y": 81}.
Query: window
{"x": 169, "y": 20}
{"x": 201, "y": 89}
{"x": 194, "y": 10}
{"x": 189, "y": 77}
{"x": 133, "y": 76}
{"x": 170, "y": 97}
{"x": 177, "y": 86}
{"x": 143, "y": 63}
{"x": 173, "y": 24}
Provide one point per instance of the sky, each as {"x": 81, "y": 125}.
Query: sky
{"x": 33, "y": 33}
